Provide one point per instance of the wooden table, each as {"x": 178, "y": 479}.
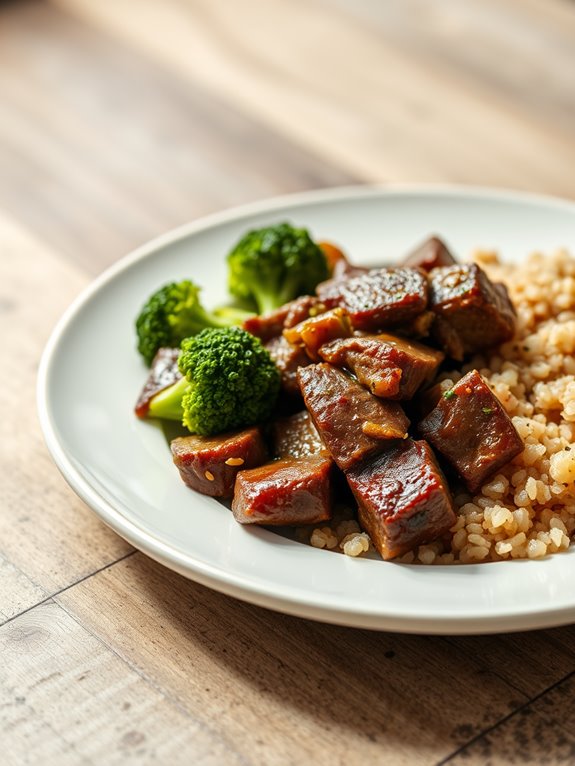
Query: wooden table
{"x": 119, "y": 120}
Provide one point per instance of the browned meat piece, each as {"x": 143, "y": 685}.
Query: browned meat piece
{"x": 210, "y": 464}
{"x": 391, "y": 367}
{"x": 472, "y": 312}
{"x": 296, "y": 436}
{"x": 429, "y": 255}
{"x": 301, "y": 309}
{"x": 352, "y": 423}
{"x": 315, "y": 331}
{"x": 470, "y": 428}
{"x": 418, "y": 328}
{"x": 379, "y": 299}
{"x": 448, "y": 338}
{"x": 163, "y": 372}
{"x": 285, "y": 492}
{"x": 328, "y": 291}
{"x": 430, "y": 397}
{"x": 403, "y": 498}
{"x": 288, "y": 359}
{"x": 267, "y": 326}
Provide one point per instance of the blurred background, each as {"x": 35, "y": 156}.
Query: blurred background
{"x": 120, "y": 119}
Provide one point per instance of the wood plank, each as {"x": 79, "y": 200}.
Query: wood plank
{"x": 358, "y": 100}
{"x": 66, "y": 698}
{"x": 101, "y": 148}
{"x": 351, "y": 696}
{"x": 17, "y": 592}
{"x": 535, "y": 39}
{"x": 539, "y": 733}
{"x": 549, "y": 656}
{"x": 46, "y": 533}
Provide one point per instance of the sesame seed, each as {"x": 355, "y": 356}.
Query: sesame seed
{"x": 209, "y": 475}
{"x": 235, "y": 461}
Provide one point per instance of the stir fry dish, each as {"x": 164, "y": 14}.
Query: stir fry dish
{"x": 329, "y": 384}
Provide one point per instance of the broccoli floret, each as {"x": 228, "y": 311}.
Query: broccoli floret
{"x": 174, "y": 312}
{"x": 271, "y": 266}
{"x": 230, "y": 381}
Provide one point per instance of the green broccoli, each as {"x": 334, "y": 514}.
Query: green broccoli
{"x": 174, "y": 312}
{"x": 230, "y": 381}
{"x": 271, "y": 266}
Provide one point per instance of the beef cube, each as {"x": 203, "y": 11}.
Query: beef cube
{"x": 352, "y": 423}
{"x": 267, "y": 326}
{"x": 296, "y": 436}
{"x": 163, "y": 372}
{"x": 430, "y": 397}
{"x": 210, "y": 464}
{"x": 315, "y": 331}
{"x": 470, "y": 428}
{"x": 391, "y": 367}
{"x": 419, "y": 328}
{"x": 429, "y": 255}
{"x": 472, "y": 312}
{"x": 328, "y": 291}
{"x": 288, "y": 359}
{"x": 403, "y": 498}
{"x": 270, "y": 325}
{"x": 381, "y": 298}
{"x": 285, "y": 492}
{"x": 301, "y": 309}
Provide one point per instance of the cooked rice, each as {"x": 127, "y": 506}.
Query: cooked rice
{"x": 528, "y": 509}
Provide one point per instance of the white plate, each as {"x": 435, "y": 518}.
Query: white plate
{"x": 90, "y": 376}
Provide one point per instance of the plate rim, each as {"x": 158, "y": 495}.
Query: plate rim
{"x": 213, "y": 576}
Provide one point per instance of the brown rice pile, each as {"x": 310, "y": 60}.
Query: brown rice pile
{"x": 528, "y": 509}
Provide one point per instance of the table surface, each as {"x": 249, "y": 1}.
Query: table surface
{"x": 119, "y": 120}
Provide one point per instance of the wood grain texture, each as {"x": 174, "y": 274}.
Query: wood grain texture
{"x": 100, "y": 149}
{"x": 66, "y": 698}
{"x": 351, "y": 695}
{"x": 539, "y": 733}
{"x": 48, "y": 538}
{"x": 367, "y": 99}
{"x": 17, "y": 592}
{"x": 120, "y": 120}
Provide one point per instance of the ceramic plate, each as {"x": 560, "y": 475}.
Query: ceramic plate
{"x": 91, "y": 374}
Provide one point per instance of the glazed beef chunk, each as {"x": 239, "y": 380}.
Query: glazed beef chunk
{"x": 285, "y": 492}
{"x": 429, "y": 255}
{"x": 210, "y": 464}
{"x": 268, "y": 326}
{"x": 288, "y": 358}
{"x": 380, "y": 299}
{"x": 352, "y": 423}
{"x": 390, "y": 367}
{"x": 163, "y": 372}
{"x": 470, "y": 428}
{"x": 472, "y": 313}
{"x": 301, "y": 309}
{"x": 430, "y": 397}
{"x": 296, "y": 436}
{"x": 315, "y": 331}
{"x": 403, "y": 499}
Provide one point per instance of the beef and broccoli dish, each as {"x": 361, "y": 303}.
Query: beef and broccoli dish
{"x": 398, "y": 410}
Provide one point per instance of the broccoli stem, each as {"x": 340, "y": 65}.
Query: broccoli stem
{"x": 167, "y": 404}
{"x": 270, "y": 300}
{"x": 231, "y": 315}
